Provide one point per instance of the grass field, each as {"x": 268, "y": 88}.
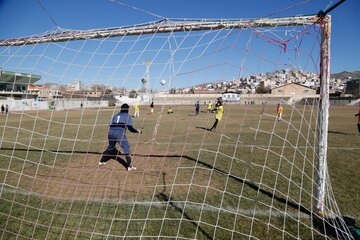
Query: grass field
{"x": 253, "y": 176}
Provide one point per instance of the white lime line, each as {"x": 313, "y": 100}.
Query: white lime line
{"x": 162, "y": 204}
{"x": 152, "y": 141}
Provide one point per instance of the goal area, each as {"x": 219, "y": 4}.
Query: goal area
{"x": 258, "y": 175}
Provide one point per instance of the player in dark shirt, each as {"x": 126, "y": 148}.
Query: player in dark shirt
{"x": 117, "y": 134}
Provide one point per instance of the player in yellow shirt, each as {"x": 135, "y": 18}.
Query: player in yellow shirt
{"x": 219, "y": 111}
{"x": 136, "y": 110}
{"x": 209, "y": 107}
{"x": 279, "y": 111}
{"x": 170, "y": 110}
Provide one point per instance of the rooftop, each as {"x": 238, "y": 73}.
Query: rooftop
{"x": 18, "y": 78}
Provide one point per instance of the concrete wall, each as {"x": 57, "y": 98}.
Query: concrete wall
{"x": 185, "y": 99}
{"x": 24, "y": 104}
{"x": 59, "y": 104}
{"x": 174, "y": 99}
{"x": 62, "y": 104}
{"x": 332, "y": 101}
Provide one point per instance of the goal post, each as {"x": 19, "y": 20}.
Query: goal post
{"x": 323, "y": 115}
{"x": 164, "y": 26}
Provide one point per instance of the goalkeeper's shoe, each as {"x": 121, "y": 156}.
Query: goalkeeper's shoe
{"x": 131, "y": 168}
{"x": 102, "y": 163}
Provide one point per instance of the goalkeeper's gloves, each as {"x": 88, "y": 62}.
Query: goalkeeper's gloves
{"x": 139, "y": 131}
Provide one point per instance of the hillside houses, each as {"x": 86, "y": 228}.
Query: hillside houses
{"x": 353, "y": 87}
{"x": 265, "y": 83}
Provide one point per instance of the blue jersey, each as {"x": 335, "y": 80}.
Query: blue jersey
{"x": 120, "y": 122}
{"x": 117, "y": 131}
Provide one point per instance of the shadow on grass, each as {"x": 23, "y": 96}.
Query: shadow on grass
{"x": 342, "y": 133}
{"x": 253, "y": 186}
{"x": 204, "y": 128}
{"x": 172, "y": 202}
{"x": 107, "y": 156}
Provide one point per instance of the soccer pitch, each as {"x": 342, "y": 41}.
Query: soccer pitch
{"x": 252, "y": 177}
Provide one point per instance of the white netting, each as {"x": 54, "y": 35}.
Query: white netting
{"x": 254, "y": 178}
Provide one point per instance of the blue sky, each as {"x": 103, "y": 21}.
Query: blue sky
{"x": 20, "y": 18}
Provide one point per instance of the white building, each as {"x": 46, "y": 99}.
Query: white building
{"x": 231, "y": 96}
{"x": 72, "y": 87}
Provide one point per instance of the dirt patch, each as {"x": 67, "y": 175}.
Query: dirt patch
{"x": 82, "y": 178}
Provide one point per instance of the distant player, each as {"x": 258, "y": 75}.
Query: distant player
{"x": 197, "y": 108}
{"x": 279, "y": 111}
{"x": 152, "y": 107}
{"x": 136, "y": 110}
{"x": 209, "y": 107}
{"x": 358, "y": 124}
{"x": 117, "y": 134}
{"x": 219, "y": 111}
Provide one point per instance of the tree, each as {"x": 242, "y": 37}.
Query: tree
{"x": 108, "y": 91}
{"x": 133, "y": 94}
{"x": 261, "y": 88}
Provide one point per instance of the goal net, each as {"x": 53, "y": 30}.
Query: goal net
{"x": 258, "y": 175}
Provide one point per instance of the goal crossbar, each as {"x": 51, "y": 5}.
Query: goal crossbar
{"x": 164, "y": 26}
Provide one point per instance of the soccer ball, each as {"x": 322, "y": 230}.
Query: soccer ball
{"x": 163, "y": 82}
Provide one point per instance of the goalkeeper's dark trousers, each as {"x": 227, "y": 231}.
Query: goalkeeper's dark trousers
{"x": 121, "y": 139}
{"x": 128, "y": 160}
{"x": 358, "y": 127}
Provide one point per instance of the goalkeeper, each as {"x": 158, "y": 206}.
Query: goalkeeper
{"x": 219, "y": 111}
{"x": 117, "y": 134}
